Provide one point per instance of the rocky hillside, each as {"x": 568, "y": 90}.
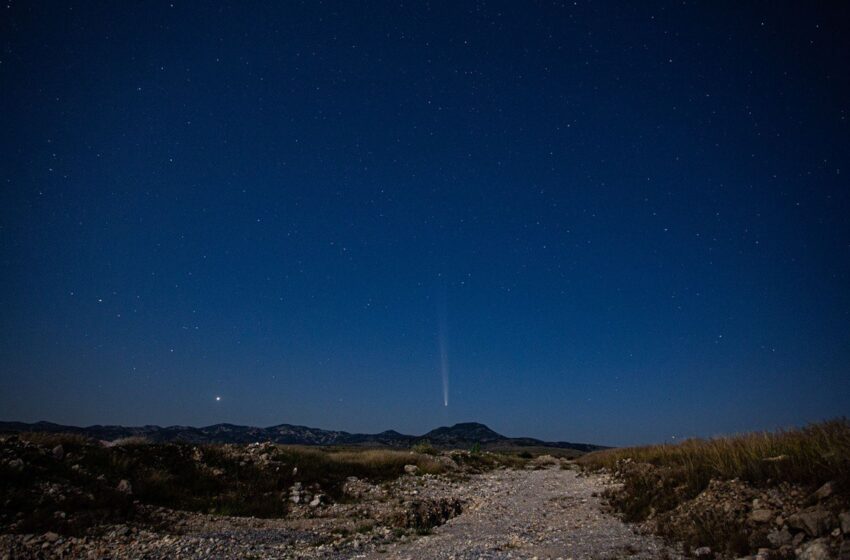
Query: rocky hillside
{"x": 459, "y": 436}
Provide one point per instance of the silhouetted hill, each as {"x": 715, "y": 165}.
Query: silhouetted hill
{"x": 463, "y": 435}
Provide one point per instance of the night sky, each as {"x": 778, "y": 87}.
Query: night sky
{"x": 601, "y": 222}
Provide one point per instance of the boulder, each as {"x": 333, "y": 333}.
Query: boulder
{"x": 844, "y": 518}
{"x": 779, "y": 538}
{"x": 411, "y": 469}
{"x": 827, "y": 490}
{"x": 844, "y": 550}
{"x": 798, "y": 539}
{"x": 59, "y": 452}
{"x": 817, "y": 549}
{"x": 703, "y": 552}
{"x": 815, "y": 521}
{"x": 125, "y": 486}
{"x": 761, "y": 515}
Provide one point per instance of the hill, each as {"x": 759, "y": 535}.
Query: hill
{"x": 459, "y": 436}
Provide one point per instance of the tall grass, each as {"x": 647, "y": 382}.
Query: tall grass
{"x": 807, "y": 456}
{"x": 810, "y": 455}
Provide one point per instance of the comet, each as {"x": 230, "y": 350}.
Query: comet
{"x": 442, "y": 339}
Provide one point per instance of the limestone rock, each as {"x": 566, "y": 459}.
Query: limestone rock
{"x": 779, "y": 538}
{"x": 827, "y": 490}
{"x": 815, "y": 521}
{"x": 815, "y": 550}
{"x": 844, "y": 518}
{"x": 761, "y": 515}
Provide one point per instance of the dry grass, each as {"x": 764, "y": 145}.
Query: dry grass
{"x": 131, "y": 441}
{"x": 810, "y": 455}
{"x": 658, "y": 478}
{"x": 382, "y": 458}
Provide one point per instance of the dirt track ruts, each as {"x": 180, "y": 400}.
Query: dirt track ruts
{"x": 550, "y": 513}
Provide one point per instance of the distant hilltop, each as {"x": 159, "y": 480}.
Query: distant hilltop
{"x": 459, "y": 436}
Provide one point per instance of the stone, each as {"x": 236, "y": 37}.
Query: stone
{"x": 59, "y": 452}
{"x": 779, "y": 538}
{"x": 827, "y": 490}
{"x": 51, "y": 537}
{"x": 125, "y": 486}
{"x": 761, "y": 515}
{"x": 815, "y": 521}
{"x": 317, "y": 500}
{"x": 702, "y": 552}
{"x": 411, "y": 469}
{"x": 814, "y": 550}
{"x": 798, "y": 539}
{"x": 16, "y": 464}
{"x": 844, "y": 518}
{"x": 844, "y": 551}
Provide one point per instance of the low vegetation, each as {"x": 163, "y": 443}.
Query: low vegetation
{"x": 703, "y": 492}
{"x": 812, "y": 455}
{"x": 68, "y": 483}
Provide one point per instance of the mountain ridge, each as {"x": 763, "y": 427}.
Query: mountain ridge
{"x": 461, "y": 435}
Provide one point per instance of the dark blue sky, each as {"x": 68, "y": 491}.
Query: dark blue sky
{"x": 628, "y": 221}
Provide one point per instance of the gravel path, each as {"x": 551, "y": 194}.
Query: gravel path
{"x": 549, "y": 513}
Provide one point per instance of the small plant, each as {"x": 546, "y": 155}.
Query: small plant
{"x": 475, "y": 449}
{"x": 425, "y": 448}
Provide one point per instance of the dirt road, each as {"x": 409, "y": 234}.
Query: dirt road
{"x": 551, "y": 513}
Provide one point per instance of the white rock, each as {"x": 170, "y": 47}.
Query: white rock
{"x": 815, "y": 550}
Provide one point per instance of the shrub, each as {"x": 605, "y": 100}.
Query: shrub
{"x": 425, "y": 448}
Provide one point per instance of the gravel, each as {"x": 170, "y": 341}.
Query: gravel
{"x": 551, "y": 513}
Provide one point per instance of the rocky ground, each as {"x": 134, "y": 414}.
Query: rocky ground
{"x": 542, "y": 511}
{"x": 95, "y": 500}
{"x": 548, "y": 513}
{"x": 735, "y": 519}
